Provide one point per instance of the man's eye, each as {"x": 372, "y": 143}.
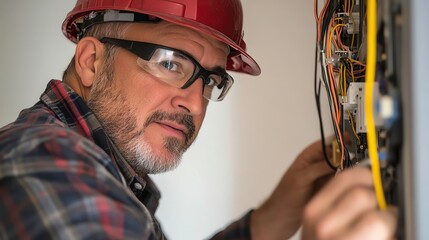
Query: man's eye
{"x": 209, "y": 82}
{"x": 170, "y": 65}
{"x": 213, "y": 81}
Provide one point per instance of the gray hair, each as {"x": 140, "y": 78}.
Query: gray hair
{"x": 109, "y": 29}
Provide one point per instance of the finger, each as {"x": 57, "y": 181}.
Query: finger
{"x": 315, "y": 171}
{"x": 321, "y": 182}
{"x": 314, "y": 153}
{"x": 311, "y": 154}
{"x": 350, "y": 207}
{"x": 378, "y": 224}
{"x": 329, "y": 195}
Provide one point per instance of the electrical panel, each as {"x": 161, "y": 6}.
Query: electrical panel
{"x": 357, "y": 72}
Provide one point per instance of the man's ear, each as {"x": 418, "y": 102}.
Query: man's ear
{"x": 88, "y": 59}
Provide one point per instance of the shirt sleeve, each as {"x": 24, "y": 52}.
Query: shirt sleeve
{"x": 238, "y": 230}
{"x": 54, "y": 185}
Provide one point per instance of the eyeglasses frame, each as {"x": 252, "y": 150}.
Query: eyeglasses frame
{"x": 145, "y": 51}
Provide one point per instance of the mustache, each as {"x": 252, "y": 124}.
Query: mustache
{"x": 182, "y": 119}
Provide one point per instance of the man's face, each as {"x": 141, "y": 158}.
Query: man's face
{"x": 153, "y": 123}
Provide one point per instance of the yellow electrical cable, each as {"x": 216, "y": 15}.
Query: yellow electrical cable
{"x": 355, "y": 61}
{"x": 352, "y": 123}
{"x": 332, "y": 34}
{"x": 344, "y": 80}
{"x": 369, "y": 86}
{"x": 340, "y": 80}
{"x": 352, "y": 74}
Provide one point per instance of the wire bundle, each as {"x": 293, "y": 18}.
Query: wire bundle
{"x": 340, "y": 65}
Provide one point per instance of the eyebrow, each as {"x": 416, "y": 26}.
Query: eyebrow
{"x": 219, "y": 69}
{"x": 185, "y": 54}
{"x": 181, "y": 55}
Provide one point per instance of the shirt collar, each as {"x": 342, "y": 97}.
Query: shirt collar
{"x": 72, "y": 110}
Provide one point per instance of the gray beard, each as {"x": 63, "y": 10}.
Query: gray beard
{"x": 116, "y": 117}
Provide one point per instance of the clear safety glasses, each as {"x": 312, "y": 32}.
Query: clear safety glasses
{"x": 176, "y": 67}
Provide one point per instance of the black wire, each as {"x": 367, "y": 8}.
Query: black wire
{"x": 329, "y": 95}
{"x": 347, "y": 162}
{"x": 331, "y": 9}
{"x": 319, "y": 113}
{"x": 317, "y": 98}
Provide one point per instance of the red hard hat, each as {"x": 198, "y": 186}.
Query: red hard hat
{"x": 221, "y": 19}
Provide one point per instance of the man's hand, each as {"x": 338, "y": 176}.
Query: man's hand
{"x": 347, "y": 209}
{"x": 281, "y": 215}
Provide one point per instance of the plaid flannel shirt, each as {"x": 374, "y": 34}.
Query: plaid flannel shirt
{"x": 62, "y": 178}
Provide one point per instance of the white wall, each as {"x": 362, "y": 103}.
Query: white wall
{"x": 247, "y": 141}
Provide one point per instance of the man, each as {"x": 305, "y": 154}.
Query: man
{"x": 77, "y": 164}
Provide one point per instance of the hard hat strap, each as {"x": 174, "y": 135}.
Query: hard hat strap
{"x": 96, "y": 17}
